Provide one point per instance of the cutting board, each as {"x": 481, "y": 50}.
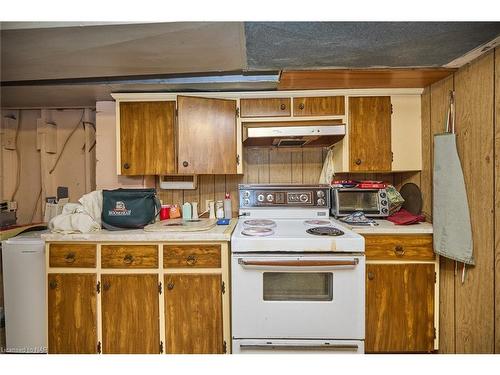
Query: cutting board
{"x": 180, "y": 225}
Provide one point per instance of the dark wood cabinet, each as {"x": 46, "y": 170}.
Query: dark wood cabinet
{"x": 400, "y": 307}
{"x": 147, "y": 138}
{"x": 72, "y": 318}
{"x": 206, "y": 136}
{"x": 319, "y": 106}
{"x": 130, "y": 314}
{"x": 265, "y": 107}
{"x": 370, "y": 134}
{"x": 193, "y": 314}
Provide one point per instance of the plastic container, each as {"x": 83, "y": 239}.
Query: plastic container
{"x": 228, "y": 211}
{"x": 186, "y": 211}
{"x": 219, "y": 213}
{"x": 165, "y": 212}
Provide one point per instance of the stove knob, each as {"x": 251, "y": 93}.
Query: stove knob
{"x": 320, "y": 193}
{"x": 321, "y": 202}
{"x": 269, "y": 197}
{"x": 383, "y": 195}
{"x": 303, "y": 198}
{"x": 384, "y": 210}
{"x": 246, "y": 202}
{"x": 246, "y": 194}
{"x": 383, "y": 203}
{"x": 260, "y": 197}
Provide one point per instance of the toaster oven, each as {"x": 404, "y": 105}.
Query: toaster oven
{"x": 373, "y": 202}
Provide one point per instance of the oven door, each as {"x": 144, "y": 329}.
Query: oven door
{"x": 352, "y": 200}
{"x": 298, "y": 296}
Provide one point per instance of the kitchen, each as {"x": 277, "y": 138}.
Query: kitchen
{"x": 278, "y": 149}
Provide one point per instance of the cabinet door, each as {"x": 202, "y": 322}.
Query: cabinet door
{"x": 207, "y": 136}
{"x": 399, "y": 307}
{"x": 319, "y": 106}
{"x": 265, "y": 107}
{"x": 147, "y": 142}
{"x": 130, "y": 314}
{"x": 370, "y": 134}
{"x": 193, "y": 314}
{"x": 72, "y": 319}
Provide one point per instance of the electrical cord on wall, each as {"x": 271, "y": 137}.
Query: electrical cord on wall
{"x": 18, "y": 158}
{"x": 36, "y": 205}
{"x": 66, "y": 142}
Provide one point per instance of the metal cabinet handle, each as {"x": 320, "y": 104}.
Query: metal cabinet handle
{"x": 319, "y": 347}
{"x": 191, "y": 260}
{"x": 170, "y": 286}
{"x": 371, "y": 275}
{"x": 70, "y": 257}
{"x": 128, "y": 259}
{"x": 282, "y": 107}
{"x": 301, "y": 106}
{"x": 126, "y": 166}
{"x": 185, "y": 163}
{"x": 399, "y": 250}
{"x": 358, "y": 161}
{"x": 53, "y": 284}
{"x": 299, "y": 263}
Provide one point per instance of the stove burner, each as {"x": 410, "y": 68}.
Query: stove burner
{"x": 260, "y": 223}
{"x": 317, "y": 222}
{"x": 257, "y": 232}
{"x": 325, "y": 231}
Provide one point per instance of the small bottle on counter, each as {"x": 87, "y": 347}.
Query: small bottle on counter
{"x": 194, "y": 213}
{"x": 186, "y": 211}
{"x": 219, "y": 213}
{"x": 228, "y": 211}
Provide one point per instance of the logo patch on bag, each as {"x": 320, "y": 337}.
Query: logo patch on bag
{"x": 119, "y": 210}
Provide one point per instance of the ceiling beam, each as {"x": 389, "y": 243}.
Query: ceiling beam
{"x": 360, "y": 78}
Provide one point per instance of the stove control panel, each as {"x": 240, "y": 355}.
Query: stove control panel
{"x": 313, "y": 196}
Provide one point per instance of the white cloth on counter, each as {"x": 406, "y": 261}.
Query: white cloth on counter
{"x": 328, "y": 171}
{"x": 83, "y": 217}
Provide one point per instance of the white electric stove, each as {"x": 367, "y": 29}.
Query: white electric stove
{"x": 297, "y": 277}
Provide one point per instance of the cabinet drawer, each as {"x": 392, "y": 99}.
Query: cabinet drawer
{"x": 129, "y": 256}
{"x": 191, "y": 256}
{"x": 72, "y": 255}
{"x": 399, "y": 247}
{"x": 319, "y": 106}
{"x": 271, "y": 107}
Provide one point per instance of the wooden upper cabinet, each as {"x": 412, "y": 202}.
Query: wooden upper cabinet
{"x": 72, "y": 319}
{"x": 370, "y": 134}
{"x": 265, "y": 107}
{"x": 206, "y": 136}
{"x": 319, "y": 106}
{"x": 147, "y": 141}
{"x": 130, "y": 314}
{"x": 400, "y": 307}
{"x": 193, "y": 314}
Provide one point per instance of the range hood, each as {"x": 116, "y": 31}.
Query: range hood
{"x": 319, "y": 133}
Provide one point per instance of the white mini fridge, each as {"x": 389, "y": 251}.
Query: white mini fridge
{"x": 23, "y": 262}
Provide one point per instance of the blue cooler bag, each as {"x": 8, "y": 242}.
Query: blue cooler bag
{"x": 129, "y": 208}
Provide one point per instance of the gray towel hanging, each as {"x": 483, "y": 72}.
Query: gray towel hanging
{"x": 450, "y": 212}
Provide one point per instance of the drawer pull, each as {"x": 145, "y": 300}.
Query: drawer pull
{"x": 128, "y": 259}
{"x": 106, "y": 285}
{"x": 358, "y": 162}
{"x": 283, "y": 107}
{"x": 399, "y": 250}
{"x": 301, "y": 106}
{"x": 70, "y": 257}
{"x": 191, "y": 260}
{"x": 53, "y": 284}
{"x": 170, "y": 286}
{"x": 126, "y": 166}
{"x": 371, "y": 275}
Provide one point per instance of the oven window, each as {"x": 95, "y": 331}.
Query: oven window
{"x": 358, "y": 201}
{"x": 295, "y": 286}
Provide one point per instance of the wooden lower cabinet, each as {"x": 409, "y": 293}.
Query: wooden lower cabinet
{"x": 400, "y": 307}
{"x": 130, "y": 314}
{"x": 72, "y": 318}
{"x": 193, "y": 314}
{"x": 134, "y": 303}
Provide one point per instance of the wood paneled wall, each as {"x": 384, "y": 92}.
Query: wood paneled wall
{"x": 468, "y": 311}
{"x": 271, "y": 165}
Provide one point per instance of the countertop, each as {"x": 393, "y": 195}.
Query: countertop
{"x": 387, "y": 227}
{"x": 217, "y": 233}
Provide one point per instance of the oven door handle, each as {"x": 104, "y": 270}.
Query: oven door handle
{"x": 315, "y": 347}
{"x": 299, "y": 263}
